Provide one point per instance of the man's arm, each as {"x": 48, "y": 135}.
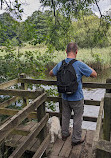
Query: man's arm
{"x": 51, "y": 73}
{"x": 93, "y": 74}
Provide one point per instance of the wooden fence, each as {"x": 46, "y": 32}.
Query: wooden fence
{"x": 102, "y": 139}
{"x": 39, "y": 129}
{"x": 39, "y": 97}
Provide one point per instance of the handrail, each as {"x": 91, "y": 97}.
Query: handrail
{"x": 7, "y": 127}
{"x": 53, "y": 82}
{"x": 8, "y": 83}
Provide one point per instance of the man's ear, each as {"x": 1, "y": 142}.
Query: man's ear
{"x": 76, "y": 51}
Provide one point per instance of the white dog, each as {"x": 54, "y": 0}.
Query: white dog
{"x": 55, "y": 128}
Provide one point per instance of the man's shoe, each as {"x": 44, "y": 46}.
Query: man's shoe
{"x": 65, "y": 137}
{"x": 77, "y": 143}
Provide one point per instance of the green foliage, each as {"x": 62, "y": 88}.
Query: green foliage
{"x": 89, "y": 33}
{"x": 8, "y": 28}
{"x": 35, "y": 27}
{"x": 51, "y": 105}
{"x": 97, "y": 57}
{"x": 33, "y": 63}
{"x": 14, "y": 7}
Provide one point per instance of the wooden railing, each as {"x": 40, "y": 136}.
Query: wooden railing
{"x": 39, "y": 130}
{"x": 39, "y": 96}
{"x": 101, "y": 147}
{"x": 58, "y": 99}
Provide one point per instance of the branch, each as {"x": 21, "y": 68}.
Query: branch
{"x": 53, "y": 7}
{"x": 98, "y": 8}
{"x": 99, "y": 11}
{"x": 1, "y": 4}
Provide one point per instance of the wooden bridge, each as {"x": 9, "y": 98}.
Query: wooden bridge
{"x": 24, "y": 131}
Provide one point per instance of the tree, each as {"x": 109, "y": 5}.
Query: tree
{"x": 37, "y": 26}
{"x": 74, "y": 10}
{"x": 8, "y": 27}
{"x": 13, "y": 7}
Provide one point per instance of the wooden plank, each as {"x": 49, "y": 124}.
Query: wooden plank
{"x": 87, "y": 148}
{"x": 20, "y": 150}
{"x": 57, "y": 147}
{"x": 92, "y": 102}
{"x": 11, "y": 112}
{"x": 16, "y": 140}
{"x": 107, "y": 116}
{"x": 40, "y": 114}
{"x": 34, "y": 81}
{"x": 20, "y": 132}
{"x": 54, "y": 82}
{"x": 108, "y": 80}
{"x": 24, "y": 130}
{"x": 98, "y": 129}
{"x": 35, "y": 146}
{"x": 24, "y": 87}
{"x": 13, "y": 140}
{"x": 21, "y": 93}
{"x": 102, "y": 154}
{"x": 99, "y": 121}
{"x": 6, "y": 128}
{"x": 28, "y": 126}
{"x": 76, "y": 150}
{"x": 42, "y": 147}
{"x": 97, "y": 85}
{"x": 88, "y": 118}
{"x": 86, "y": 102}
{"x": 66, "y": 150}
{"x": 8, "y": 84}
{"x": 8, "y": 102}
{"x": 85, "y": 118}
{"x": 33, "y": 115}
{"x": 90, "y": 136}
{"x": 104, "y": 145}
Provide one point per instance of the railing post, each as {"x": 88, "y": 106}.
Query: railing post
{"x": 108, "y": 81}
{"x": 24, "y": 86}
{"x": 41, "y": 112}
{"x": 107, "y": 116}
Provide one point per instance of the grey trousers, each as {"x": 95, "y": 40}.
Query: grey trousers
{"x": 78, "y": 108}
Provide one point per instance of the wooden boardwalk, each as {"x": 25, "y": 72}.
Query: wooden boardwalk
{"x": 34, "y": 137}
{"x": 63, "y": 149}
{"x": 60, "y": 149}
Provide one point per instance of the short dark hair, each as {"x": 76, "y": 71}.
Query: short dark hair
{"x": 72, "y": 47}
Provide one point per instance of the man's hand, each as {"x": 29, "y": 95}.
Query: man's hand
{"x": 51, "y": 73}
{"x": 93, "y": 74}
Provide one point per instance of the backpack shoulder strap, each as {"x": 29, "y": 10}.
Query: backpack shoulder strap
{"x": 63, "y": 62}
{"x": 72, "y": 61}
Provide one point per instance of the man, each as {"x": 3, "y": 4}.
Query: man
{"x": 74, "y": 101}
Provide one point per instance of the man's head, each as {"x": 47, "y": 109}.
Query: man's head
{"x": 71, "y": 47}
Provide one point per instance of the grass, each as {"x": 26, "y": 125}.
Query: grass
{"x": 98, "y": 56}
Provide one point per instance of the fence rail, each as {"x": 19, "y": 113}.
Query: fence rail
{"x": 52, "y": 82}
{"x": 10, "y": 126}
{"x": 36, "y": 110}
